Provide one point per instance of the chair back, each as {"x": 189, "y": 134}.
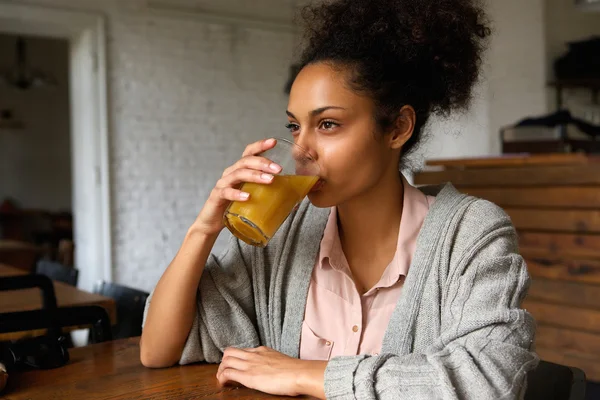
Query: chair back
{"x": 130, "y": 305}
{"x": 551, "y": 381}
{"x": 57, "y": 272}
{"x": 19, "y": 282}
{"x": 94, "y": 316}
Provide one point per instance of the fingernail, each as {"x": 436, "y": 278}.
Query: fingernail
{"x": 275, "y": 167}
{"x": 244, "y": 195}
{"x": 266, "y": 177}
{"x": 270, "y": 141}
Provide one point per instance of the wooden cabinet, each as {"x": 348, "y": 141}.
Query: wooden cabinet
{"x": 554, "y": 202}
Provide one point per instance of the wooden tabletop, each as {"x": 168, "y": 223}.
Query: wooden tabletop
{"x": 30, "y": 299}
{"x": 112, "y": 370}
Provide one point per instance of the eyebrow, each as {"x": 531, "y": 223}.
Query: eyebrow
{"x": 316, "y": 111}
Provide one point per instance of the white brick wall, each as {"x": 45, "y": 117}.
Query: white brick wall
{"x": 185, "y": 97}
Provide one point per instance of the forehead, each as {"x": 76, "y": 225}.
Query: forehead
{"x": 321, "y": 85}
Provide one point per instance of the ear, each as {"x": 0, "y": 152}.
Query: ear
{"x": 403, "y": 127}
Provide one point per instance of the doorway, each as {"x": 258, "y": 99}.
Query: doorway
{"x": 90, "y": 185}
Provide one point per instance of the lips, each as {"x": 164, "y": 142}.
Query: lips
{"x": 317, "y": 186}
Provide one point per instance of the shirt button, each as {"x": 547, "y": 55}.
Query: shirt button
{"x": 328, "y": 343}
{"x": 355, "y": 328}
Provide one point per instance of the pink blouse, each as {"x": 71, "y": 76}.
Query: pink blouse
{"x": 338, "y": 321}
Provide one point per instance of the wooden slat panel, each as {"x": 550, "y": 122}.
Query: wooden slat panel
{"x": 513, "y": 160}
{"x": 584, "y": 361}
{"x": 567, "y": 340}
{"x": 560, "y": 244}
{"x": 581, "y": 221}
{"x": 568, "y": 293}
{"x": 570, "y": 196}
{"x": 564, "y": 316}
{"x": 588, "y": 174}
{"x": 545, "y": 256}
{"x": 584, "y": 271}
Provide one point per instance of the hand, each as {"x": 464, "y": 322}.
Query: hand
{"x": 269, "y": 371}
{"x": 250, "y": 168}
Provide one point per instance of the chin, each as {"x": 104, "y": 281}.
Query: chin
{"x": 320, "y": 199}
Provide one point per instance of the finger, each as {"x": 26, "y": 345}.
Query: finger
{"x": 230, "y": 375}
{"x": 231, "y": 194}
{"x": 260, "y": 349}
{"x": 243, "y": 176}
{"x": 259, "y": 147}
{"x": 232, "y": 362}
{"x": 243, "y": 354}
{"x": 254, "y": 162}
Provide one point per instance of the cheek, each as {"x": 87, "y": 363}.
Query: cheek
{"x": 350, "y": 168}
{"x": 346, "y": 163}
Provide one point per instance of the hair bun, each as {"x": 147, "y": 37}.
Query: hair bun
{"x": 433, "y": 45}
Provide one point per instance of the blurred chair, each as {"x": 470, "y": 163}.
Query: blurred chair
{"x": 57, "y": 318}
{"x": 130, "y": 308}
{"x": 551, "y": 381}
{"x": 19, "y": 282}
{"x": 592, "y": 390}
{"x": 57, "y": 272}
{"x": 46, "y": 286}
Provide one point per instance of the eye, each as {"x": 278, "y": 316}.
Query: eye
{"x": 328, "y": 125}
{"x": 293, "y": 127}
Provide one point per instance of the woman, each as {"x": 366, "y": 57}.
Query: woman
{"x": 373, "y": 288}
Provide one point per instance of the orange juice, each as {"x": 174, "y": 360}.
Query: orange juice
{"x": 256, "y": 220}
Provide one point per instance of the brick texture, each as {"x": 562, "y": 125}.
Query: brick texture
{"x": 187, "y": 98}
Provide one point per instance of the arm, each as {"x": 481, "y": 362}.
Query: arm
{"x": 312, "y": 382}
{"x": 483, "y": 350}
{"x": 223, "y": 312}
{"x": 202, "y": 304}
{"x": 169, "y": 317}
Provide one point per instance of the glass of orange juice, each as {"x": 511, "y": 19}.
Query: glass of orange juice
{"x": 256, "y": 220}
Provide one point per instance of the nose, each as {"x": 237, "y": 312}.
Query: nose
{"x": 307, "y": 142}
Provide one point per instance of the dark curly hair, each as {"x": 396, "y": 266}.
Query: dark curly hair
{"x": 423, "y": 53}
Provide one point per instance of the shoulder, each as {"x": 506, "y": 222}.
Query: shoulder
{"x": 466, "y": 211}
{"x": 485, "y": 231}
{"x": 471, "y": 223}
{"x": 483, "y": 216}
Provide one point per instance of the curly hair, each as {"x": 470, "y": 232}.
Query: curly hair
{"x": 423, "y": 53}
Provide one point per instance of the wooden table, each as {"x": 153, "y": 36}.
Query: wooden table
{"x": 112, "y": 370}
{"x": 30, "y": 299}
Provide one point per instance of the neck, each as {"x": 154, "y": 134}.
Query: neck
{"x": 372, "y": 220}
